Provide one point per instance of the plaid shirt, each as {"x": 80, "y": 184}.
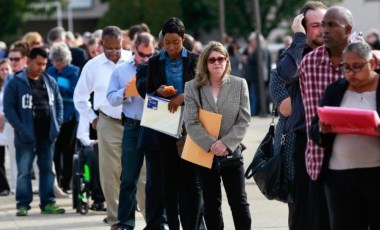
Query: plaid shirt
{"x": 316, "y": 73}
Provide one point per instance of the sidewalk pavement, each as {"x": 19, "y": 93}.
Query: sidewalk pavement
{"x": 268, "y": 215}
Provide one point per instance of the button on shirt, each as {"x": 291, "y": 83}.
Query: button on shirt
{"x": 132, "y": 106}
{"x": 95, "y": 77}
{"x": 174, "y": 70}
{"x": 316, "y": 73}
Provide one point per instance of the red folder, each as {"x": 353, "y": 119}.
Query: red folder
{"x": 350, "y": 121}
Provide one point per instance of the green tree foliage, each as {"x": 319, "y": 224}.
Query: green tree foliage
{"x": 14, "y": 13}
{"x": 203, "y": 15}
{"x": 126, "y": 13}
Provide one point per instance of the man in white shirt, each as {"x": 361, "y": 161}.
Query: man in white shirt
{"x": 132, "y": 159}
{"x": 95, "y": 77}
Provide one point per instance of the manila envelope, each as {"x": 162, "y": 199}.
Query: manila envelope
{"x": 131, "y": 91}
{"x": 191, "y": 151}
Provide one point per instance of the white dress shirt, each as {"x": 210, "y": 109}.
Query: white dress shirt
{"x": 83, "y": 131}
{"x": 95, "y": 77}
{"x": 132, "y": 106}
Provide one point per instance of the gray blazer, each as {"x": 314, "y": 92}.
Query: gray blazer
{"x": 232, "y": 103}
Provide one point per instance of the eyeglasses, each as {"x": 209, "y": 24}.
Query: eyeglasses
{"x": 220, "y": 60}
{"x": 355, "y": 69}
{"x": 144, "y": 55}
{"x": 112, "y": 50}
{"x": 15, "y": 59}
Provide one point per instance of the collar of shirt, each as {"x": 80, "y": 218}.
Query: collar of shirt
{"x": 164, "y": 55}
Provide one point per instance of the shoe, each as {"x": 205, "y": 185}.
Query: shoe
{"x": 58, "y": 193}
{"x": 105, "y": 220}
{"x": 114, "y": 227}
{"x": 22, "y": 211}
{"x": 4, "y": 193}
{"x": 67, "y": 191}
{"x": 52, "y": 209}
{"x": 98, "y": 206}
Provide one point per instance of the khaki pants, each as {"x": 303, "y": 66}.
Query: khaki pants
{"x": 110, "y": 133}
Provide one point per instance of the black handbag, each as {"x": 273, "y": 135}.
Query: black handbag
{"x": 267, "y": 169}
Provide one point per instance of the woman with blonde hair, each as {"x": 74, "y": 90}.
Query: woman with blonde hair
{"x": 215, "y": 90}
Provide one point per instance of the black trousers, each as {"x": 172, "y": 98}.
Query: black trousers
{"x": 64, "y": 152}
{"x": 91, "y": 156}
{"x": 299, "y": 218}
{"x": 353, "y": 198}
{"x": 234, "y": 184}
{"x": 4, "y": 186}
{"x": 181, "y": 189}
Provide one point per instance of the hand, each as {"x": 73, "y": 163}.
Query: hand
{"x": 324, "y": 128}
{"x": 165, "y": 93}
{"x": 286, "y": 107}
{"x": 219, "y": 149}
{"x": 95, "y": 123}
{"x": 175, "y": 102}
{"x": 93, "y": 143}
{"x": 297, "y": 24}
{"x": 377, "y": 129}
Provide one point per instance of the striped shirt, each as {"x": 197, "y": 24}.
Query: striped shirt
{"x": 316, "y": 73}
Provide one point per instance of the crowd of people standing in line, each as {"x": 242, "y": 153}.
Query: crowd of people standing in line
{"x": 82, "y": 93}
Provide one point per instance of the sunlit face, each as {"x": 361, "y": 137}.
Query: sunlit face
{"x": 36, "y": 66}
{"x": 335, "y": 33}
{"x": 173, "y": 44}
{"x": 5, "y": 69}
{"x": 143, "y": 52}
{"x": 216, "y": 64}
{"x": 314, "y": 26}
{"x": 17, "y": 60}
{"x": 357, "y": 70}
{"x": 93, "y": 50}
{"x": 112, "y": 48}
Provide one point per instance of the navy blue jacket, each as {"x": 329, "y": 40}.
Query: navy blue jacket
{"x": 67, "y": 79}
{"x": 18, "y": 108}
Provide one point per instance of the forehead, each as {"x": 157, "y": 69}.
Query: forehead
{"x": 145, "y": 47}
{"x": 351, "y": 57}
{"x": 333, "y": 16}
{"x": 216, "y": 54}
{"x": 38, "y": 59}
{"x": 111, "y": 41}
{"x": 316, "y": 15}
{"x": 14, "y": 53}
{"x": 172, "y": 37}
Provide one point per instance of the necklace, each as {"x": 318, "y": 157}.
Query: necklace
{"x": 216, "y": 86}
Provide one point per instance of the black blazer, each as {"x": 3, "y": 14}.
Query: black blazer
{"x": 157, "y": 74}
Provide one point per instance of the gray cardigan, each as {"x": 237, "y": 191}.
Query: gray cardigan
{"x": 232, "y": 104}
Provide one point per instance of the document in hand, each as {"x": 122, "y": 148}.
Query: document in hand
{"x": 131, "y": 90}
{"x": 157, "y": 116}
{"x": 191, "y": 151}
{"x": 350, "y": 121}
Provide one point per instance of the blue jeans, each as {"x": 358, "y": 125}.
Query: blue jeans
{"x": 131, "y": 162}
{"x": 24, "y": 158}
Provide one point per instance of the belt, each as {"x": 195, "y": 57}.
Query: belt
{"x": 112, "y": 118}
{"x": 127, "y": 120}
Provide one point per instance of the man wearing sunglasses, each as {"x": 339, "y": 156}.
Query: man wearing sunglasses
{"x": 122, "y": 80}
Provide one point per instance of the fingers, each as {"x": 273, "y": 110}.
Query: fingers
{"x": 297, "y": 24}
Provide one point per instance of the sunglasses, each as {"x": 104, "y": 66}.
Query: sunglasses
{"x": 112, "y": 50}
{"x": 16, "y": 59}
{"x": 144, "y": 55}
{"x": 220, "y": 60}
{"x": 354, "y": 69}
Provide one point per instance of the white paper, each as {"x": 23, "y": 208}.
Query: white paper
{"x": 157, "y": 116}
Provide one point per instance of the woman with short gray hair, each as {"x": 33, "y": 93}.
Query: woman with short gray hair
{"x": 67, "y": 76}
